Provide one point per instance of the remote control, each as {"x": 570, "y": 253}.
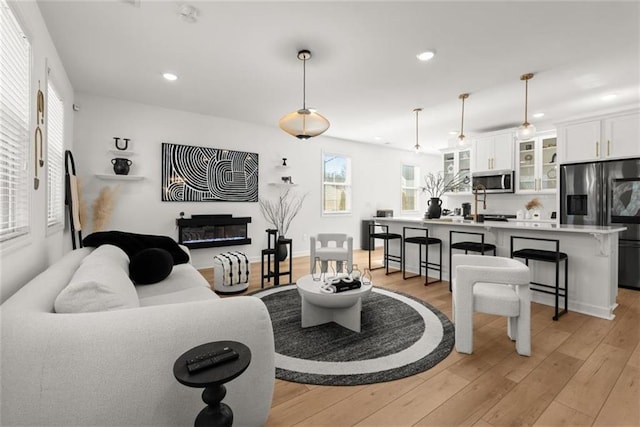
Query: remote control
{"x": 227, "y": 357}
{"x": 219, "y": 358}
{"x": 205, "y": 356}
{"x": 198, "y": 366}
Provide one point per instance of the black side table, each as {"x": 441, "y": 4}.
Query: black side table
{"x": 273, "y": 245}
{"x": 212, "y": 379}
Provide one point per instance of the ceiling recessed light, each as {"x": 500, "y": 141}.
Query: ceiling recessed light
{"x": 425, "y": 56}
{"x": 170, "y": 76}
{"x": 609, "y": 97}
{"x": 453, "y": 132}
{"x": 188, "y": 13}
{"x": 538, "y": 115}
{"x": 135, "y": 3}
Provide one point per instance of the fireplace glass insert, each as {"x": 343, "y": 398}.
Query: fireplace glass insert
{"x": 207, "y": 231}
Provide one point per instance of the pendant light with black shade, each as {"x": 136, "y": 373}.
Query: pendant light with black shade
{"x": 305, "y": 122}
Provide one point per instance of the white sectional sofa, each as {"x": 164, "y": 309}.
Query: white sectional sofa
{"x": 114, "y": 367}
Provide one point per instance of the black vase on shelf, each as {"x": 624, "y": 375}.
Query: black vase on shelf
{"x": 121, "y": 166}
{"x": 435, "y": 207}
{"x": 282, "y": 249}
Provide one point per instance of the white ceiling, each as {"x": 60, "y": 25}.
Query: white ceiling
{"x": 239, "y": 60}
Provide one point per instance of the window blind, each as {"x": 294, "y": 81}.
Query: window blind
{"x": 55, "y": 145}
{"x": 15, "y": 57}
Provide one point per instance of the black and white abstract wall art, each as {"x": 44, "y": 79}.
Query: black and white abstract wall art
{"x": 203, "y": 174}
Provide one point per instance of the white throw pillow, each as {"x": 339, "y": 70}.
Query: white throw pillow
{"x": 101, "y": 283}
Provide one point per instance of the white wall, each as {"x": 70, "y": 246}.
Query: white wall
{"x": 376, "y": 171}
{"x": 23, "y": 258}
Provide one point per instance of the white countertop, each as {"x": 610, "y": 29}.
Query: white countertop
{"x": 513, "y": 225}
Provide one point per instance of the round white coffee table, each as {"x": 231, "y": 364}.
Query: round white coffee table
{"x": 318, "y": 307}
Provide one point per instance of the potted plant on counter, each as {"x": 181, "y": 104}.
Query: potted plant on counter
{"x": 534, "y": 209}
{"x": 436, "y": 184}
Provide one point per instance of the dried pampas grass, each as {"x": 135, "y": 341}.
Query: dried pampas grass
{"x": 103, "y": 207}
{"x": 533, "y": 203}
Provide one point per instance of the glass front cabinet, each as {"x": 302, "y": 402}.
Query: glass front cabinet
{"x": 458, "y": 161}
{"x": 537, "y": 164}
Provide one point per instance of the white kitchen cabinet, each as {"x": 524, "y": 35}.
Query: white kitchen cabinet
{"x": 482, "y": 153}
{"x": 580, "y": 141}
{"x": 621, "y": 136}
{"x": 458, "y": 161}
{"x": 600, "y": 138}
{"x": 493, "y": 152}
{"x": 536, "y": 162}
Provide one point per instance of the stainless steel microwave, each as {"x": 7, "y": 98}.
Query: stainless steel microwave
{"x": 496, "y": 181}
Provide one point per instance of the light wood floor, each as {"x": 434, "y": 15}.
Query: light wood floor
{"x": 583, "y": 371}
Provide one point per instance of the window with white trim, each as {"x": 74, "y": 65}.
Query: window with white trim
{"x": 55, "y": 153}
{"x": 336, "y": 184}
{"x": 410, "y": 188}
{"x": 15, "y": 72}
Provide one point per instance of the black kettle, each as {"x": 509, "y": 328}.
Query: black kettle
{"x": 121, "y": 165}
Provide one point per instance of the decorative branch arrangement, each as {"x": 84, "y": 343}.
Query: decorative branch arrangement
{"x": 436, "y": 184}
{"x": 282, "y": 211}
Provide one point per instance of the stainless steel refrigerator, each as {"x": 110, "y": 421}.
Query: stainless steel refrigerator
{"x": 606, "y": 193}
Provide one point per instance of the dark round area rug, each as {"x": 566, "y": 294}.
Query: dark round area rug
{"x": 400, "y": 336}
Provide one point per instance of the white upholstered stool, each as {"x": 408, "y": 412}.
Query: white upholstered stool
{"x": 493, "y": 285}
{"x": 231, "y": 271}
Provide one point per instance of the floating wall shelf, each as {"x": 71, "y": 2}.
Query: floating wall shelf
{"x": 120, "y": 177}
{"x": 282, "y": 184}
{"x": 121, "y": 153}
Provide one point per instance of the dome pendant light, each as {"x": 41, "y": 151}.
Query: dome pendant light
{"x": 527, "y": 130}
{"x": 304, "y": 123}
{"x": 417, "y": 146}
{"x": 461, "y": 136}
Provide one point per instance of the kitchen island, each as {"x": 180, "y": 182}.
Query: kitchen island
{"x": 592, "y": 252}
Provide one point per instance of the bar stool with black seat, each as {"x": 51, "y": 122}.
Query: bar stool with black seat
{"x": 543, "y": 255}
{"x": 426, "y": 241}
{"x": 384, "y": 234}
{"x": 468, "y": 246}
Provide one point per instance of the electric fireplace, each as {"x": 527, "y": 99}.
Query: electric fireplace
{"x": 208, "y": 231}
